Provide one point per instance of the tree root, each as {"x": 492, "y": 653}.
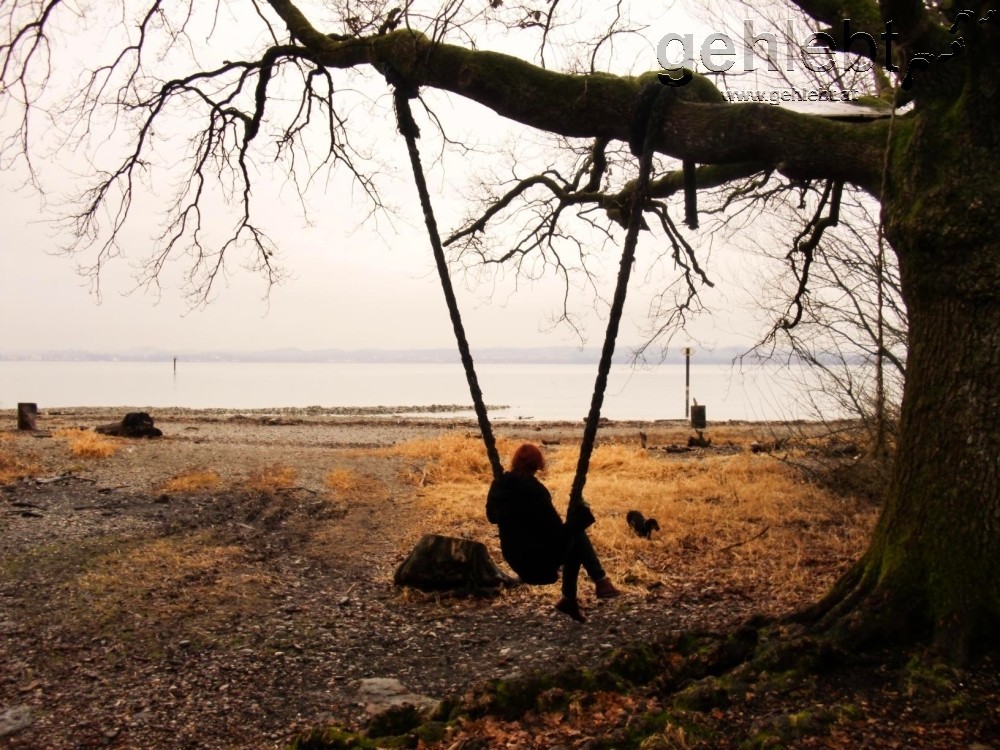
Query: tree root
{"x": 863, "y": 613}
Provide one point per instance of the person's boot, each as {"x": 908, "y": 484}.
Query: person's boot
{"x": 570, "y": 607}
{"x": 606, "y": 589}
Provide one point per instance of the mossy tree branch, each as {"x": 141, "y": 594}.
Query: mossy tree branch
{"x": 701, "y": 127}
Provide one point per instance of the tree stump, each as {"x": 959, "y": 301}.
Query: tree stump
{"x": 444, "y": 563}
{"x": 27, "y": 413}
{"x": 135, "y": 424}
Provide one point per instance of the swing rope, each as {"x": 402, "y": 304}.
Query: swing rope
{"x": 403, "y": 92}
{"x": 408, "y": 127}
{"x": 640, "y": 194}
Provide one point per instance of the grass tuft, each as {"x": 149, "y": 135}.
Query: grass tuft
{"x": 87, "y": 443}
{"x": 271, "y": 479}
{"x": 192, "y": 481}
{"x": 12, "y": 466}
{"x": 346, "y": 483}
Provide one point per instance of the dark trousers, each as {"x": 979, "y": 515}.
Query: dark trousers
{"x": 579, "y": 552}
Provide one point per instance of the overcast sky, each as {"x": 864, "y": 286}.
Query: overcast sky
{"x": 350, "y": 283}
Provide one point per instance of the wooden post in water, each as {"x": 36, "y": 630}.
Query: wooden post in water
{"x": 26, "y": 415}
{"x": 688, "y": 351}
{"x": 175, "y": 365}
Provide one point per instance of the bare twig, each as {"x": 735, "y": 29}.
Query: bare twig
{"x": 758, "y": 535}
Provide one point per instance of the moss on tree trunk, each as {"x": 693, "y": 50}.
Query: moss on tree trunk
{"x": 932, "y": 571}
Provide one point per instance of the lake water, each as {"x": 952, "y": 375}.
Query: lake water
{"x": 529, "y": 390}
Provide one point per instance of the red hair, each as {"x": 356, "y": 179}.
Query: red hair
{"x": 527, "y": 460}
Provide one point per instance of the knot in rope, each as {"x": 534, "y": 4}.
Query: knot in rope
{"x": 402, "y": 91}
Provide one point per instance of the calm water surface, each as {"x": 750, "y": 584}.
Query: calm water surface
{"x": 535, "y": 391}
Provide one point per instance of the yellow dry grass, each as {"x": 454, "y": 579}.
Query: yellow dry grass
{"x": 447, "y": 459}
{"x": 13, "y": 466}
{"x": 86, "y": 443}
{"x": 346, "y": 483}
{"x": 271, "y": 478}
{"x": 165, "y": 578}
{"x": 192, "y": 481}
{"x": 738, "y": 520}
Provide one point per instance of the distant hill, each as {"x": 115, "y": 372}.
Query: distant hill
{"x": 487, "y": 355}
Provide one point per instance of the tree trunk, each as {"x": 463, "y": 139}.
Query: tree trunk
{"x": 932, "y": 572}
{"x": 26, "y": 415}
{"x": 933, "y": 568}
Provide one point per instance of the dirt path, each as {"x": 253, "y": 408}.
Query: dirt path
{"x": 238, "y": 614}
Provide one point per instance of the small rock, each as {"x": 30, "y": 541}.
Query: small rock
{"x": 14, "y": 719}
{"x": 381, "y": 693}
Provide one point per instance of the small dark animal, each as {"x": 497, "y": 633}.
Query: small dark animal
{"x": 641, "y": 525}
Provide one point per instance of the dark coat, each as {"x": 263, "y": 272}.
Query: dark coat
{"x": 533, "y": 537}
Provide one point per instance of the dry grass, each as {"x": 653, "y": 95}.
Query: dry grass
{"x": 347, "y": 483}
{"x": 454, "y": 472}
{"x": 13, "y": 466}
{"x": 164, "y": 579}
{"x": 86, "y": 443}
{"x": 743, "y": 520}
{"x": 192, "y": 481}
{"x": 790, "y": 436}
{"x": 271, "y": 479}
{"x": 448, "y": 459}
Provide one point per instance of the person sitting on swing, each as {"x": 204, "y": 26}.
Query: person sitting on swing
{"x": 534, "y": 539}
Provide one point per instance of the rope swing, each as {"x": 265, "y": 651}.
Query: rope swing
{"x": 643, "y": 147}
{"x": 408, "y": 127}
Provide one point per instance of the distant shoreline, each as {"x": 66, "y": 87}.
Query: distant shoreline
{"x": 555, "y": 355}
{"x": 292, "y": 411}
{"x": 436, "y": 413}
{"x": 526, "y": 391}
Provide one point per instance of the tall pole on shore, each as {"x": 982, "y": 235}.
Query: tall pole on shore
{"x": 688, "y": 351}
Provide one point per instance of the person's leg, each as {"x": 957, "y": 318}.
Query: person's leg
{"x": 569, "y": 605}
{"x": 590, "y": 562}
{"x": 580, "y": 553}
{"x": 588, "y": 557}
{"x": 571, "y": 567}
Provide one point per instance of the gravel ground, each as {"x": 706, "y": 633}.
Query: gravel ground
{"x": 236, "y": 617}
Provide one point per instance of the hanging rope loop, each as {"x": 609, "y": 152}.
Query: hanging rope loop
{"x": 402, "y": 92}
{"x": 652, "y": 111}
